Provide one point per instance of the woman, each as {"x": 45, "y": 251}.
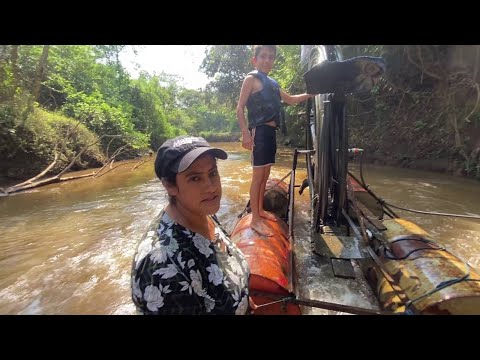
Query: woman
{"x": 185, "y": 263}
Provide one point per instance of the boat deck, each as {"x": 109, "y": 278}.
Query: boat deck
{"x": 315, "y": 280}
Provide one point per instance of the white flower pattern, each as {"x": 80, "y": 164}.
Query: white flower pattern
{"x": 175, "y": 266}
{"x": 136, "y": 289}
{"x": 167, "y": 272}
{"x": 153, "y": 297}
{"x": 242, "y": 307}
{"x": 209, "y": 303}
{"x": 233, "y": 277}
{"x": 172, "y": 246}
{"x": 203, "y": 245}
{"x": 143, "y": 249}
{"x": 197, "y": 282}
{"x": 235, "y": 266}
{"x": 159, "y": 256}
{"x": 215, "y": 275}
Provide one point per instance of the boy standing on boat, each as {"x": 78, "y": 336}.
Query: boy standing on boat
{"x": 262, "y": 97}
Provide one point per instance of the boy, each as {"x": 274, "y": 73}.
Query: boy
{"x": 262, "y": 96}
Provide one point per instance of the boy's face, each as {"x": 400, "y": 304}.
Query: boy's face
{"x": 264, "y": 60}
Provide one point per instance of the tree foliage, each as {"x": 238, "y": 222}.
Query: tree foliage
{"x": 227, "y": 65}
{"x": 426, "y": 106}
{"x": 88, "y": 83}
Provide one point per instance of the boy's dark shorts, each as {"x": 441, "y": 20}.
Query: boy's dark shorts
{"x": 265, "y": 145}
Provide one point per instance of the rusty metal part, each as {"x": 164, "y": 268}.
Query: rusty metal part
{"x": 398, "y": 292}
{"x": 321, "y": 305}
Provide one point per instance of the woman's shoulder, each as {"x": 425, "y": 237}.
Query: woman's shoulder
{"x": 162, "y": 233}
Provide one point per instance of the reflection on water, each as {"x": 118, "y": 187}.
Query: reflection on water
{"x": 67, "y": 248}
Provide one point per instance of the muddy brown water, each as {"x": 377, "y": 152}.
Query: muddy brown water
{"x": 67, "y": 248}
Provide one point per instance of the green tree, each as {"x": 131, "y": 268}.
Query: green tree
{"x": 227, "y": 65}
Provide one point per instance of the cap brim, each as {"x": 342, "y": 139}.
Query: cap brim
{"x": 188, "y": 159}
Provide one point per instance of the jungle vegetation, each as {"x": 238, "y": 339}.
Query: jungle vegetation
{"x": 76, "y": 107}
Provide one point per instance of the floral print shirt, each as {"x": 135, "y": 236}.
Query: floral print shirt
{"x": 176, "y": 271}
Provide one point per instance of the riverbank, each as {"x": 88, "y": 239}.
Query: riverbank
{"x": 442, "y": 165}
{"x": 434, "y": 165}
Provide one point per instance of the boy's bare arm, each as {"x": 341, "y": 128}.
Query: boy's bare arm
{"x": 294, "y": 99}
{"x": 247, "y": 87}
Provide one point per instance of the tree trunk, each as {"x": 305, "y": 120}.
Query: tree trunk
{"x": 41, "y": 67}
{"x": 14, "y": 63}
{"x": 40, "y": 73}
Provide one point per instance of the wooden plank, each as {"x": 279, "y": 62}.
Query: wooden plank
{"x": 346, "y": 247}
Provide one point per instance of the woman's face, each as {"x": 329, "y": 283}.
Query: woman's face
{"x": 198, "y": 188}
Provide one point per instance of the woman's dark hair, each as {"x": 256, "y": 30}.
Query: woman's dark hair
{"x": 172, "y": 180}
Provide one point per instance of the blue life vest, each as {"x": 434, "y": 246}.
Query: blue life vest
{"x": 264, "y": 105}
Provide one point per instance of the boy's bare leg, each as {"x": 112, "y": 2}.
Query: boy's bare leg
{"x": 257, "y": 223}
{"x": 261, "y": 211}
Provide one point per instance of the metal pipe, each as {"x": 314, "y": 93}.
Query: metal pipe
{"x": 320, "y": 304}
{"x": 291, "y": 198}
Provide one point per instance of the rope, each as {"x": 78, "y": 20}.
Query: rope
{"x": 383, "y": 202}
{"x": 431, "y": 212}
{"x": 273, "y": 302}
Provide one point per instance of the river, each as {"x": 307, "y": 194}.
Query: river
{"x": 67, "y": 248}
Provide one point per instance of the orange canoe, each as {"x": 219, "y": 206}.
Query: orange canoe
{"x": 269, "y": 260}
